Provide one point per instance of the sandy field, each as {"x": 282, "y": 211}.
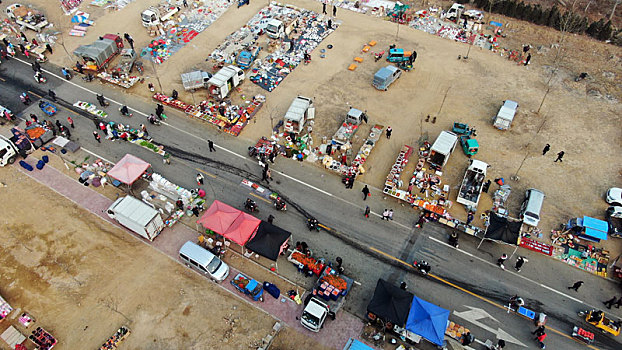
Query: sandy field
{"x": 82, "y": 278}
{"x": 580, "y": 118}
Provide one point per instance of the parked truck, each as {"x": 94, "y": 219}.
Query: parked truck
{"x": 246, "y": 58}
{"x": 195, "y": 80}
{"x": 505, "y": 116}
{"x": 127, "y": 58}
{"x": 97, "y": 55}
{"x": 471, "y": 187}
{"x": 279, "y": 28}
{"x": 441, "y": 149}
{"x": 155, "y": 15}
{"x": 350, "y": 125}
{"x": 137, "y": 216}
{"x": 298, "y": 113}
{"x": 27, "y": 16}
{"x": 325, "y": 299}
{"x": 221, "y": 84}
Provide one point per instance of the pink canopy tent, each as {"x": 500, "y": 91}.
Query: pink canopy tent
{"x": 218, "y": 217}
{"x": 242, "y": 229}
{"x": 129, "y": 169}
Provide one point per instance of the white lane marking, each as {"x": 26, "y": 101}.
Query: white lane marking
{"x": 97, "y": 155}
{"x": 511, "y": 272}
{"x": 219, "y": 147}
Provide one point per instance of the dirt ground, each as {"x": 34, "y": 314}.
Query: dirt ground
{"x": 580, "y": 118}
{"x": 62, "y": 269}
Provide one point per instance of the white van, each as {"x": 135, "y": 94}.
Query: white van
{"x": 202, "y": 260}
{"x": 530, "y": 210}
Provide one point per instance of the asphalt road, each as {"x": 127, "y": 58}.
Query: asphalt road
{"x": 463, "y": 280}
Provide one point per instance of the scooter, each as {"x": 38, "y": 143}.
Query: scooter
{"x": 153, "y": 120}
{"x": 39, "y": 78}
{"x": 422, "y": 267}
{"x": 125, "y": 111}
{"x": 313, "y": 224}
{"x": 378, "y": 55}
{"x": 250, "y": 205}
{"x": 280, "y": 204}
{"x": 453, "y": 239}
{"x": 66, "y": 74}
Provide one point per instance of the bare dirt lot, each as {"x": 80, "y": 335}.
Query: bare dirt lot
{"x": 82, "y": 278}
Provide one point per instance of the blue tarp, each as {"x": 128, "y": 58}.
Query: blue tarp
{"x": 354, "y": 344}
{"x": 427, "y": 320}
{"x": 595, "y": 228}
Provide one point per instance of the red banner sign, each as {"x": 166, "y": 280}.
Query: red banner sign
{"x": 536, "y": 246}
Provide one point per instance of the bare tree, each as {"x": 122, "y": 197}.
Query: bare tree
{"x": 112, "y": 304}
{"x": 613, "y": 10}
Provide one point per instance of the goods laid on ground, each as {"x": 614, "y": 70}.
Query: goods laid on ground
{"x": 5, "y": 309}
{"x": 393, "y": 182}
{"x": 177, "y": 34}
{"x": 91, "y": 108}
{"x": 455, "y": 331}
{"x": 42, "y": 339}
{"x": 117, "y": 338}
{"x": 576, "y": 252}
{"x": 13, "y": 337}
{"x": 122, "y": 80}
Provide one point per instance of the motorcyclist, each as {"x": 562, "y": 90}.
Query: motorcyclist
{"x": 312, "y": 223}
{"x": 124, "y": 110}
{"x": 39, "y": 77}
{"x": 250, "y": 204}
{"x": 66, "y": 73}
{"x": 516, "y": 302}
{"x": 279, "y": 204}
{"x": 152, "y": 119}
{"x": 424, "y": 267}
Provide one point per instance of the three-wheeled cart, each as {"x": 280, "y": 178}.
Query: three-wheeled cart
{"x": 248, "y": 286}
{"x": 47, "y": 108}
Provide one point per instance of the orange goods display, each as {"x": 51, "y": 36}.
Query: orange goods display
{"x": 35, "y": 133}
{"x": 335, "y": 281}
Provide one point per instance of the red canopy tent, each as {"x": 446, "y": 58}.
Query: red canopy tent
{"x": 242, "y": 229}
{"x": 218, "y": 217}
{"x": 129, "y": 169}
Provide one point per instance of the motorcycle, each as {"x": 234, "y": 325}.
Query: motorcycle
{"x": 313, "y": 224}
{"x": 280, "y": 204}
{"x": 125, "y": 111}
{"x": 453, "y": 239}
{"x": 597, "y": 318}
{"x": 378, "y": 55}
{"x": 422, "y": 267}
{"x": 39, "y": 78}
{"x": 250, "y": 205}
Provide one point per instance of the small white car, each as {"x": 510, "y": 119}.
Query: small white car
{"x": 614, "y": 196}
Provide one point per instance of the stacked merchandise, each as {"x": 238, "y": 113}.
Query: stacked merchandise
{"x": 306, "y": 262}
{"x": 393, "y": 183}
{"x": 123, "y": 80}
{"x": 42, "y": 339}
{"x": 116, "y": 339}
{"x": 69, "y": 6}
{"x": 161, "y": 185}
{"x": 331, "y": 287}
{"x": 169, "y": 101}
{"x": 5, "y": 309}
{"x": 180, "y": 33}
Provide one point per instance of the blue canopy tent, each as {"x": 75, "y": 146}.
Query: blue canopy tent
{"x": 427, "y": 320}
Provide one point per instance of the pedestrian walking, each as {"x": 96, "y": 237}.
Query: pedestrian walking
{"x": 129, "y": 39}
{"x": 70, "y": 121}
{"x": 210, "y": 143}
{"x": 385, "y": 214}
{"x": 403, "y": 286}
{"x": 200, "y": 179}
{"x": 52, "y": 95}
{"x": 560, "y": 155}
{"x": 101, "y": 100}
{"x": 421, "y": 221}
{"x": 270, "y": 157}
{"x": 185, "y": 3}
{"x": 330, "y": 25}
{"x": 102, "y": 127}
{"x": 23, "y": 36}
{"x": 22, "y": 49}
{"x": 334, "y": 11}
{"x": 367, "y": 211}
{"x": 546, "y": 149}
{"x": 618, "y": 303}
{"x": 264, "y": 175}
{"x": 389, "y": 131}
{"x": 470, "y": 218}
{"x": 57, "y": 124}
{"x": 610, "y": 302}
{"x": 80, "y": 67}
{"x": 540, "y": 338}
{"x": 97, "y": 137}
{"x": 540, "y": 330}
{"x": 520, "y": 261}
{"x": 576, "y": 286}
{"x": 390, "y": 217}
{"x": 159, "y": 110}
{"x": 48, "y": 47}
{"x": 501, "y": 260}
{"x": 527, "y": 59}
{"x": 324, "y": 8}
{"x": 270, "y": 218}
{"x": 366, "y": 193}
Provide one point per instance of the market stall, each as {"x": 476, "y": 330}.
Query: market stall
{"x": 42, "y": 339}
{"x": 389, "y": 304}
{"x": 428, "y": 321}
{"x": 129, "y": 169}
{"x": 230, "y": 223}
{"x": 5, "y": 309}
{"x": 269, "y": 240}
{"x": 579, "y": 253}
{"x": 13, "y": 337}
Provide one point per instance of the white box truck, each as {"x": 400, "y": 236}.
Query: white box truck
{"x": 137, "y": 216}
{"x": 221, "y": 84}
{"x": 441, "y": 149}
{"x": 471, "y": 187}
{"x": 277, "y": 28}
{"x": 318, "y": 308}
{"x": 298, "y": 113}
{"x": 506, "y": 114}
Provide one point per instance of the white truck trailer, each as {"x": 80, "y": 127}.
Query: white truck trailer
{"x": 221, "y": 84}
{"x": 156, "y": 15}
{"x": 441, "y": 149}
{"x": 471, "y": 187}
{"x": 298, "y": 113}
{"x": 137, "y": 216}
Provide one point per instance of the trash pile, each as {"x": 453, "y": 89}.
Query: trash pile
{"x": 311, "y": 28}
{"x": 226, "y": 116}
{"x": 179, "y": 33}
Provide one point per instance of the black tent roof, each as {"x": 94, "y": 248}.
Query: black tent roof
{"x": 503, "y": 229}
{"x": 390, "y": 303}
{"x": 268, "y": 240}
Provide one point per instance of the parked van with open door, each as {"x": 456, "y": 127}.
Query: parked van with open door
{"x": 530, "y": 210}
{"x": 203, "y": 261}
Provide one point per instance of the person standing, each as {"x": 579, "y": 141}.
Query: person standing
{"x": 48, "y": 47}
{"x": 270, "y": 218}
{"x": 560, "y": 155}
{"x": 520, "y": 261}
{"x": 501, "y": 260}
{"x": 200, "y": 179}
{"x": 470, "y": 218}
{"x": 264, "y": 175}
{"x": 210, "y": 143}
{"x": 365, "y": 191}
{"x": 421, "y": 221}
{"x": 186, "y": 3}
{"x": 97, "y": 137}
{"x": 385, "y": 214}
{"x": 390, "y": 216}
{"x": 576, "y": 286}
{"x": 52, "y": 95}
{"x": 324, "y": 8}
{"x": 334, "y": 11}
{"x": 70, "y": 121}
{"x": 546, "y": 149}
{"x": 389, "y": 132}
{"x": 79, "y": 67}
{"x": 610, "y": 302}
{"x": 129, "y": 40}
